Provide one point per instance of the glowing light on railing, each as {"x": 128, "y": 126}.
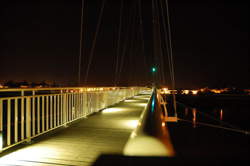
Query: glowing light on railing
{"x": 221, "y": 114}
{"x": 153, "y": 105}
{"x": 185, "y": 92}
{"x": 194, "y": 117}
{"x": 81, "y": 90}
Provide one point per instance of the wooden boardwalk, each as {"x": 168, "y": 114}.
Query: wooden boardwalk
{"x": 81, "y": 143}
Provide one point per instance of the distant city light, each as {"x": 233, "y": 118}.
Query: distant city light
{"x": 185, "y": 92}
{"x": 194, "y": 92}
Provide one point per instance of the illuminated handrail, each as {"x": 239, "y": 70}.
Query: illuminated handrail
{"x": 28, "y": 116}
{"x": 151, "y": 137}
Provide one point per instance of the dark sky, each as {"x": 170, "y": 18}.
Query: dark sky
{"x": 40, "y": 41}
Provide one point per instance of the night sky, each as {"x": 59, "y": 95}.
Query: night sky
{"x": 40, "y": 41}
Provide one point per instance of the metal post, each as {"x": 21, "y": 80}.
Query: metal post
{"x": 33, "y": 116}
{"x": 8, "y": 122}
{"x": 1, "y": 115}
{"x": 54, "y": 119}
{"x": 51, "y": 111}
{"x": 58, "y": 109}
{"x": 47, "y": 112}
{"x": 38, "y": 114}
{"x": 22, "y": 118}
{"x": 28, "y": 120}
{"x": 43, "y": 118}
{"x": 16, "y": 120}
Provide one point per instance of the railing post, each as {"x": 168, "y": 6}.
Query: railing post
{"x": 1, "y": 115}
{"x": 16, "y": 121}
{"x": 8, "y": 122}
{"x": 28, "y": 120}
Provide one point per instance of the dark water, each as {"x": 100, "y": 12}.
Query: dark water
{"x": 217, "y": 133}
{"x": 235, "y": 117}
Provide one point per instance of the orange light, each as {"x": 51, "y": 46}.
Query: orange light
{"x": 185, "y": 92}
{"x": 194, "y": 117}
{"x": 194, "y": 92}
{"x": 163, "y": 124}
{"x": 221, "y": 114}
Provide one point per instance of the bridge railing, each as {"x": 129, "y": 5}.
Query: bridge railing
{"x": 151, "y": 137}
{"x": 28, "y": 113}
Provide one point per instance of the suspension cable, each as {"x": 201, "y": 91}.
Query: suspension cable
{"x": 160, "y": 43}
{"x": 94, "y": 41}
{"x": 166, "y": 43}
{"x": 81, "y": 47}
{"x": 133, "y": 38}
{"x": 142, "y": 38}
{"x": 118, "y": 45}
{"x": 170, "y": 42}
{"x": 125, "y": 45}
{"x": 170, "y": 51}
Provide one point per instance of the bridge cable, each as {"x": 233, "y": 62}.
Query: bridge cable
{"x": 169, "y": 47}
{"x": 171, "y": 54}
{"x": 94, "y": 41}
{"x": 160, "y": 45}
{"x": 154, "y": 41}
{"x": 81, "y": 46}
{"x": 166, "y": 42}
{"x": 130, "y": 51}
{"x": 125, "y": 45}
{"x": 142, "y": 38}
{"x": 118, "y": 45}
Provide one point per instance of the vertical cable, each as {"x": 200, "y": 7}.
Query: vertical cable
{"x": 171, "y": 54}
{"x": 142, "y": 38}
{"x": 118, "y": 45}
{"x": 161, "y": 61}
{"x": 94, "y": 42}
{"x": 81, "y": 50}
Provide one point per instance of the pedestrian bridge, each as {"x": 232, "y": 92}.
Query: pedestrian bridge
{"x": 75, "y": 126}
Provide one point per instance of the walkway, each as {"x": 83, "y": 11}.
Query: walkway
{"x": 80, "y": 144}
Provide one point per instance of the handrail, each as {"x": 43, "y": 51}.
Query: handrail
{"x": 92, "y": 88}
{"x": 28, "y": 116}
{"x": 151, "y": 137}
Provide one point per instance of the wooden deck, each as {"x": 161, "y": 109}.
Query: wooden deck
{"x": 80, "y": 144}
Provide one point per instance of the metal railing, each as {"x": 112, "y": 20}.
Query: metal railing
{"x": 28, "y": 113}
{"x": 151, "y": 137}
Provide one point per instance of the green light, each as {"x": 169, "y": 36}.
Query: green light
{"x": 153, "y": 69}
